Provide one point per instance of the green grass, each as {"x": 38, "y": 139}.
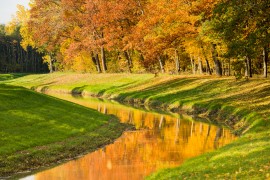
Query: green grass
{"x": 38, "y": 130}
{"x": 244, "y": 105}
{"x": 247, "y": 158}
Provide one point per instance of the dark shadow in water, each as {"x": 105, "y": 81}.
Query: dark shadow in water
{"x": 77, "y": 91}
{"x": 44, "y": 88}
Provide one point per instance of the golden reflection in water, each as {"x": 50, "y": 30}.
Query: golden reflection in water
{"x": 166, "y": 141}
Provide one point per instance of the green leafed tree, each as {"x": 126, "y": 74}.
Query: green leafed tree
{"x": 244, "y": 26}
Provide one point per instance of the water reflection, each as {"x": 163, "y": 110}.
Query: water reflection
{"x": 165, "y": 141}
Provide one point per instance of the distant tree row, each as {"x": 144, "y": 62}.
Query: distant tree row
{"x": 14, "y": 58}
{"x": 221, "y": 37}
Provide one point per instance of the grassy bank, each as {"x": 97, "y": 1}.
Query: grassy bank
{"x": 243, "y": 105}
{"x": 37, "y": 130}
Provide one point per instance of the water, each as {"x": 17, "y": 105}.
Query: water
{"x": 161, "y": 141}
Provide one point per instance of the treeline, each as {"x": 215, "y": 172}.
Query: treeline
{"x": 222, "y": 37}
{"x": 14, "y": 58}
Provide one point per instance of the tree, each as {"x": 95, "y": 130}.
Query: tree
{"x": 45, "y": 28}
{"x": 244, "y": 26}
{"x": 17, "y": 56}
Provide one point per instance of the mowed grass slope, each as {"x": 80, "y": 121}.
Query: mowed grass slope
{"x": 243, "y": 105}
{"x": 38, "y": 130}
{"x": 246, "y": 100}
{"x": 104, "y": 84}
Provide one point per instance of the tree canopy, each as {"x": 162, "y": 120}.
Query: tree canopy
{"x": 174, "y": 36}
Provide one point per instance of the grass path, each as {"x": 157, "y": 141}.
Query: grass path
{"x": 243, "y": 105}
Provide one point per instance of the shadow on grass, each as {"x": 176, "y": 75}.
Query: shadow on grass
{"x": 6, "y": 77}
{"x": 161, "y": 92}
{"x": 157, "y": 89}
{"x": 79, "y": 90}
{"x": 29, "y": 120}
{"x": 205, "y": 93}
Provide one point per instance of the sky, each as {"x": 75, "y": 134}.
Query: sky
{"x": 8, "y": 7}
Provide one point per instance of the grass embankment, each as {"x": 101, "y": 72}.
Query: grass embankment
{"x": 37, "y": 130}
{"x": 243, "y": 105}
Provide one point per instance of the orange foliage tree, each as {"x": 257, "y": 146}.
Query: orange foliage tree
{"x": 100, "y": 34}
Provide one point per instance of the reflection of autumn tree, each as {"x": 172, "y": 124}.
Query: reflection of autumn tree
{"x": 218, "y": 135}
{"x": 167, "y": 143}
{"x": 177, "y": 126}
{"x": 161, "y": 122}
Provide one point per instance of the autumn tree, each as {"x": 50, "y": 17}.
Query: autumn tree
{"x": 46, "y": 27}
{"x": 206, "y": 34}
{"x": 161, "y": 31}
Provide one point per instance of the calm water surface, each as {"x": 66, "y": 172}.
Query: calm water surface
{"x": 161, "y": 141}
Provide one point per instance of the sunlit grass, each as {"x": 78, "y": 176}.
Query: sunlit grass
{"x": 247, "y": 158}
{"x": 33, "y": 126}
{"x": 170, "y": 91}
{"x": 242, "y": 104}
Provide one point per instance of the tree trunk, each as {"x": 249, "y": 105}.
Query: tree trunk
{"x": 229, "y": 68}
{"x": 51, "y": 64}
{"x": 265, "y": 61}
{"x": 177, "y": 62}
{"x": 103, "y": 60}
{"x": 13, "y": 58}
{"x": 161, "y": 65}
{"x": 248, "y": 69}
{"x": 27, "y": 59}
{"x": 208, "y": 69}
{"x": 141, "y": 57}
{"x": 35, "y": 63}
{"x": 200, "y": 65}
{"x": 95, "y": 60}
{"x": 192, "y": 65}
{"x": 217, "y": 62}
{"x": 128, "y": 60}
{"x": 19, "y": 57}
{"x": 22, "y": 58}
{"x": 223, "y": 68}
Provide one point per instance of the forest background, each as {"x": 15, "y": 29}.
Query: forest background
{"x": 222, "y": 37}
